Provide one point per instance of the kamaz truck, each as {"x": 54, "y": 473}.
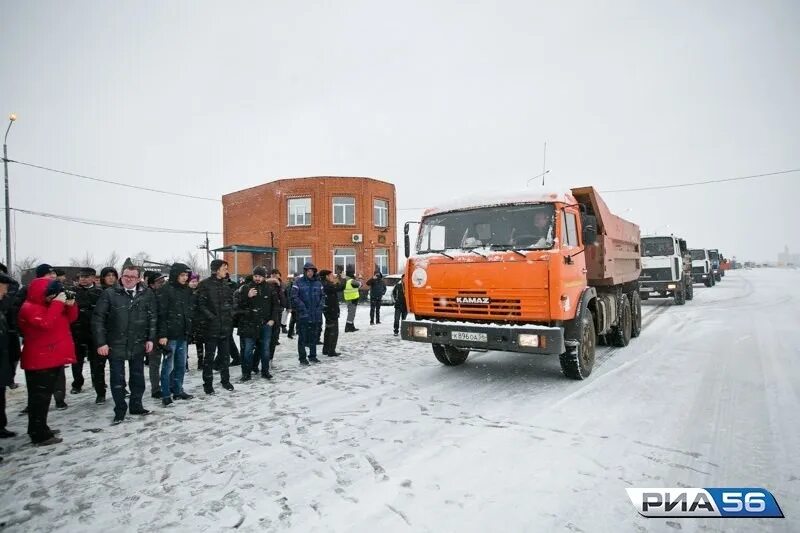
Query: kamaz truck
{"x": 533, "y": 273}
{"x": 716, "y": 264}
{"x": 666, "y": 269}
{"x": 701, "y": 267}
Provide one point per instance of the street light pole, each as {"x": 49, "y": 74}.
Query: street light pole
{"x": 11, "y": 119}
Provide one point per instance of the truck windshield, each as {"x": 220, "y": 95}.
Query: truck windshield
{"x": 656, "y": 246}
{"x": 698, "y": 255}
{"x": 528, "y": 226}
{"x": 713, "y": 255}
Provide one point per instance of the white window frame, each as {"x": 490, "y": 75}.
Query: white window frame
{"x": 298, "y": 253}
{"x": 349, "y": 259}
{"x": 380, "y": 213}
{"x": 299, "y": 215}
{"x": 342, "y": 205}
{"x": 383, "y": 254}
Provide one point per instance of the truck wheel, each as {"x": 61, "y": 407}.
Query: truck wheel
{"x": 578, "y": 363}
{"x": 689, "y": 291}
{"x": 717, "y": 278}
{"x": 644, "y": 295}
{"x": 680, "y": 296}
{"x": 636, "y": 312}
{"x": 709, "y": 282}
{"x": 449, "y": 355}
{"x": 713, "y": 280}
{"x": 621, "y": 333}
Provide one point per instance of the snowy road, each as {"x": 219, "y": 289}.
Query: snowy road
{"x": 386, "y": 439}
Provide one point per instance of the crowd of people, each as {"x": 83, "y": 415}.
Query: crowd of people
{"x": 146, "y": 319}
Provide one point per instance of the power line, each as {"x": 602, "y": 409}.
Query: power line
{"x": 107, "y": 224}
{"x": 706, "y": 182}
{"x": 111, "y": 182}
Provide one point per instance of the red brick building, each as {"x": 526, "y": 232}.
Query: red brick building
{"x": 327, "y": 220}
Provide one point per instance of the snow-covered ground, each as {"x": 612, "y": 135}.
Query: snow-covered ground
{"x": 387, "y": 439}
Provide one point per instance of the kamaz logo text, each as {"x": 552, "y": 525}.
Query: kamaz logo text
{"x": 472, "y": 300}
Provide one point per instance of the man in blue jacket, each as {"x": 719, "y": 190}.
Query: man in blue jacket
{"x": 307, "y": 302}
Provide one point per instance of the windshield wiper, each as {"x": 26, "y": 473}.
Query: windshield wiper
{"x": 476, "y": 252}
{"x": 506, "y": 247}
{"x": 441, "y": 252}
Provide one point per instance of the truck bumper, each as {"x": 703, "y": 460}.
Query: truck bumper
{"x": 486, "y": 337}
{"x": 699, "y": 278}
{"x": 666, "y": 287}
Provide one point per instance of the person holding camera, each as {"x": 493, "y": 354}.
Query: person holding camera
{"x": 175, "y": 310}
{"x": 124, "y": 325}
{"x": 44, "y": 320}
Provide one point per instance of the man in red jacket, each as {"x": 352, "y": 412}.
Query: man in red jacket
{"x": 44, "y": 321}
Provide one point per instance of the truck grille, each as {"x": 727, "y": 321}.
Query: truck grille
{"x": 698, "y": 270}
{"x": 656, "y": 274}
{"x": 504, "y": 305}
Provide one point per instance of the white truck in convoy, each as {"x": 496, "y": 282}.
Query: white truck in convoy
{"x": 666, "y": 269}
{"x": 701, "y": 267}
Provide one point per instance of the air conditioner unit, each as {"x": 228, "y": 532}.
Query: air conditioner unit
{"x": 358, "y": 237}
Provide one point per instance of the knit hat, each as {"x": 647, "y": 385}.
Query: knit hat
{"x": 54, "y": 288}
{"x": 309, "y": 266}
{"x": 108, "y": 270}
{"x": 86, "y": 272}
{"x": 216, "y": 264}
{"x": 152, "y": 276}
{"x": 43, "y": 270}
{"x": 260, "y": 271}
{"x": 324, "y": 273}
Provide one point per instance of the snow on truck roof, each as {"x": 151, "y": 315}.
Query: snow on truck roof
{"x": 507, "y": 198}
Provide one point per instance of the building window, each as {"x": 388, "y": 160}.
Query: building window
{"x": 380, "y": 213}
{"x": 297, "y": 258}
{"x": 344, "y": 259}
{"x": 300, "y": 211}
{"x": 382, "y": 260}
{"x": 344, "y": 211}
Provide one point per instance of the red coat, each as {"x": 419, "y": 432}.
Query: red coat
{"x": 46, "y": 330}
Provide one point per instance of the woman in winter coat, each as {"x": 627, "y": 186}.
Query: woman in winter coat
{"x": 45, "y": 320}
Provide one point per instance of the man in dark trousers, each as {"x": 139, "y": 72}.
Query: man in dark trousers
{"x": 176, "y": 310}
{"x": 259, "y": 311}
{"x": 400, "y": 308}
{"x": 332, "y": 285}
{"x": 155, "y": 281}
{"x": 215, "y": 304}
{"x": 351, "y": 296}
{"x": 86, "y": 296}
{"x": 377, "y": 288}
{"x": 307, "y": 300}
{"x": 6, "y": 376}
{"x": 124, "y": 325}
{"x": 277, "y": 281}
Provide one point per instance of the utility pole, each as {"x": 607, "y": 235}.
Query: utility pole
{"x": 208, "y": 254}
{"x": 11, "y": 118}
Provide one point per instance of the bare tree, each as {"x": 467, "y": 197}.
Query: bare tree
{"x": 141, "y": 257}
{"x": 193, "y": 262}
{"x": 86, "y": 261}
{"x": 25, "y": 264}
{"x": 112, "y": 260}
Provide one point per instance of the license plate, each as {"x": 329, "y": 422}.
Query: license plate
{"x": 468, "y": 336}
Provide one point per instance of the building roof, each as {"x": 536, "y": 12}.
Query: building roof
{"x": 279, "y": 180}
{"x": 246, "y": 248}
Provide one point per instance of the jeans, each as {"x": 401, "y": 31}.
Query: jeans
{"x": 331, "y": 336}
{"x": 259, "y": 347}
{"x": 219, "y": 347}
{"x": 41, "y": 385}
{"x": 136, "y": 371}
{"x": 173, "y": 368}
{"x": 308, "y": 333}
{"x": 398, "y": 314}
{"x": 374, "y": 311}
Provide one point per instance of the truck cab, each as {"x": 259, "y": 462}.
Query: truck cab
{"x": 716, "y": 264}
{"x": 701, "y": 267}
{"x": 666, "y": 269}
{"x": 536, "y": 273}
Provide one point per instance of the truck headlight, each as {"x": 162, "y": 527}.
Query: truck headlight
{"x": 528, "y": 340}
{"x": 671, "y": 286}
{"x": 420, "y": 331}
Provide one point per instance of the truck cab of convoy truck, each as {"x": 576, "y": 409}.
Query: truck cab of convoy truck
{"x": 716, "y": 264}
{"x": 701, "y": 267}
{"x": 666, "y": 269}
{"x": 535, "y": 273}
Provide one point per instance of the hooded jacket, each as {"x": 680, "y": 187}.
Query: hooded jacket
{"x": 123, "y": 324}
{"x": 175, "y": 306}
{"x": 215, "y": 305}
{"x": 46, "y": 326}
{"x": 256, "y": 311}
{"x": 377, "y": 287}
{"x": 307, "y": 299}
{"x": 85, "y": 299}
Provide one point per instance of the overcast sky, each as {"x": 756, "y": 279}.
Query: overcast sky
{"x": 441, "y": 98}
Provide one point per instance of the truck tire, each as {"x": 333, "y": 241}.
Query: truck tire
{"x": 578, "y": 363}
{"x": 709, "y": 282}
{"x": 717, "y": 278}
{"x": 680, "y": 296}
{"x": 621, "y": 333}
{"x": 636, "y": 311}
{"x": 449, "y": 355}
{"x": 713, "y": 281}
{"x": 689, "y": 290}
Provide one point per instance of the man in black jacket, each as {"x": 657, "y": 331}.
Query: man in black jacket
{"x": 124, "y": 326}
{"x": 275, "y": 278}
{"x": 155, "y": 281}
{"x": 86, "y": 296}
{"x": 377, "y": 288}
{"x": 175, "y": 310}
{"x": 259, "y": 310}
{"x": 6, "y": 368}
{"x": 215, "y": 304}
{"x": 332, "y": 285}
{"x": 400, "y": 308}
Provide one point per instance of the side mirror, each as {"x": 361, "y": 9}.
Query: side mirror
{"x": 407, "y": 240}
{"x": 589, "y": 229}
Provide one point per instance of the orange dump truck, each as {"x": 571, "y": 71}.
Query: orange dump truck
{"x": 538, "y": 273}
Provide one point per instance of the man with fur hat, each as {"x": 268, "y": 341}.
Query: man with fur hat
{"x": 86, "y": 295}
{"x": 215, "y": 304}
{"x": 308, "y": 300}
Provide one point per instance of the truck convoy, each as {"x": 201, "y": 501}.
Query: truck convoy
{"x": 538, "y": 274}
{"x": 701, "y": 267}
{"x": 666, "y": 269}
{"x": 716, "y": 264}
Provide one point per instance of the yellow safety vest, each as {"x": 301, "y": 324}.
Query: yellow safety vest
{"x": 350, "y": 292}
